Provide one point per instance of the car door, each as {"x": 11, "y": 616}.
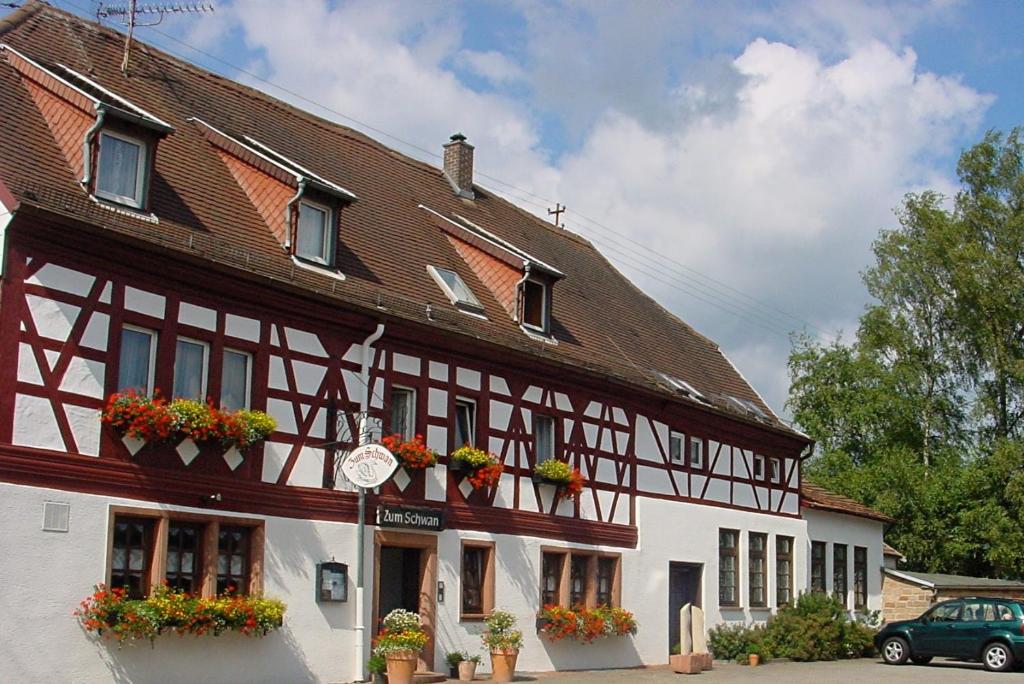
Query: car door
{"x": 933, "y": 636}
{"x": 970, "y": 630}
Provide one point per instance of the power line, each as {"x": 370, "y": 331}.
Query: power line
{"x": 711, "y": 289}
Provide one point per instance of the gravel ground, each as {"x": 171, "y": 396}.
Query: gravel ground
{"x": 866, "y": 671}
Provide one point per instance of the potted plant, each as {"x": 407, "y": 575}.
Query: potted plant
{"x": 483, "y": 468}
{"x": 503, "y": 641}
{"x": 453, "y": 659}
{"x": 467, "y": 668}
{"x": 569, "y": 481}
{"x": 400, "y": 640}
{"x": 377, "y": 666}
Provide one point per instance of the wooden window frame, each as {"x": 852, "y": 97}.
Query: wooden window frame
{"x": 486, "y": 582}
{"x": 537, "y": 418}
{"x": 472, "y": 403}
{"x": 328, "y": 253}
{"x": 845, "y": 567}
{"x": 860, "y": 577}
{"x": 759, "y": 462}
{"x": 775, "y": 472}
{"x": 782, "y": 582}
{"x": 763, "y": 556}
{"x": 691, "y": 444}
{"x": 249, "y": 359}
{"x": 197, "y": 575}
{"x": 141, "y": 170}
{"x": 148, "y": 537}
{"x": 154, "y": 345}
{"x": 545, "y": 313}
{"x": 683, "y": 455}
{"x": 592, "y": 558}
{"x": 823, "y": 565}
{"x": 157, "y": 559}
{"x": 734, "y": 553}
{"x": 411, "y": 421}
{"x": 204, "y": 380}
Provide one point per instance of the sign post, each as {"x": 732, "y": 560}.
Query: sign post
{"x": 368, "y": 466}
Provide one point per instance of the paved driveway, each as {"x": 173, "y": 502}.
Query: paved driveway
{"x": 865, "y": 671}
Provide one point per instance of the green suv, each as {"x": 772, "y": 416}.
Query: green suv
{"x": 987, "y": 629}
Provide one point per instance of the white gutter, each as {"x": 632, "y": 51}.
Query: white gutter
{"x": 364, "y": 407}
{"x": 90, "y": 134}
{"x": 519, "y": 286}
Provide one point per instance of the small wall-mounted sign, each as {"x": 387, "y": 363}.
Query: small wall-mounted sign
{"x": 332, "y": 579}
{"x": 411, "y": 518}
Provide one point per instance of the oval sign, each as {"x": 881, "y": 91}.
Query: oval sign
{"x": 369, "y": 466}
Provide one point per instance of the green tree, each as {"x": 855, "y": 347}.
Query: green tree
{"x": 921, "y": 414}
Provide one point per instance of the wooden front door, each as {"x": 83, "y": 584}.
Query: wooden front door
{"x": 683, "y": 588}
{"x": 405, "y": 576}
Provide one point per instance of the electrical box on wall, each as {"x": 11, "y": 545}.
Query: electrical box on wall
{"x": 332, "y": 582}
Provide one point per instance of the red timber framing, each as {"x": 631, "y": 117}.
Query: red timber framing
{"x": 596, "y": 420}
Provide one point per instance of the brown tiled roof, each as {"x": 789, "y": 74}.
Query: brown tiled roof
{"x": 813, "y": 496}
{"x": 603, "y": 323}
{"x": 890, "y": 551}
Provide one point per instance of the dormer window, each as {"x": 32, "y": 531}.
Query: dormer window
{"x": 682, "y": 386}
{"x": 314, "y": 239}
{"x": 121, "y": 169}
{"x": 535, "y": 306}
{"x": 456, "y": 290}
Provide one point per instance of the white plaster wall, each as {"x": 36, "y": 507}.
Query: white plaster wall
{"x": 852, "y": 531}
{"x": 51, "y": 572}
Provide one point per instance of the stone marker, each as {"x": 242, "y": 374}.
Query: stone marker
{"x": 699, "y": 638}
{"x": 685, "y": 626}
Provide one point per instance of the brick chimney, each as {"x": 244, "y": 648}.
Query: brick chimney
{"x": 458, "y": 165}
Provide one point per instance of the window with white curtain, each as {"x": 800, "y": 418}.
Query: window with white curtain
{"x": 137, "y": 363}
{"x": 403, "y": 412}
{"x": 121, "y": 169}
{"x": 544, "y": 437}
{"x": 235, "y": 380}
{"x": 676, "y": 441}
{"x": 313, "y": 240}
{"x": 190, "y": 363}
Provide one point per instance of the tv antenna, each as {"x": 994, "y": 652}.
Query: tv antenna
{"x": 129, "y": 15}
{"x": 557, "y": 212}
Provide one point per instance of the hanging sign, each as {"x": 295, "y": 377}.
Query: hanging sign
{"x": 369, "y": 466}
{"x": 411, "y": 518}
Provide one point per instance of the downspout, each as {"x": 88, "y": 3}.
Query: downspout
{"x": 289, "y": 238}
{"x": 519, "y": 286}
{"x": 90, "y": 135}
{"x": 364, "y": 407}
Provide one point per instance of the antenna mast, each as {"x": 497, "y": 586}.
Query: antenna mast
{"x": 129, "y": 17}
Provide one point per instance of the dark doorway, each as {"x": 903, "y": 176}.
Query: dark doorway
{"x": 683, "y": 588}
{"x": 399, "y": 580}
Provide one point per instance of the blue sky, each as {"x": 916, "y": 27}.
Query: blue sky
{"x": 734, "y": 159}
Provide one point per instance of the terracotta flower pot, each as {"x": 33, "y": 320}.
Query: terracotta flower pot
{"x": 401, "y": 667}
{"x": 755, "y": 660}
{"x": 503, "y": 665}
{"x": 467, "y": 671}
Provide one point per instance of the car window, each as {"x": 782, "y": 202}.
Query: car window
{"x": 976, "y": 611}
{"x": 947, "y": 612}
{"x": 1003, "y": 612}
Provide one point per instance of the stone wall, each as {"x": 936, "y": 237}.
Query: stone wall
{"x": 902, "y": 600}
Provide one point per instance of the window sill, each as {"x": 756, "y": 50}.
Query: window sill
{"x": 472, "y": 617}
{"x": 125, "y": 210}
{"x": 762, "y": 609}
{"x": 538, "y": 335}
{"x": 322, "y": 269}
{"x": 729, "y": 607}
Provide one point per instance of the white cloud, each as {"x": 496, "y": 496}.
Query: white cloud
{"x": 768, "y": 165}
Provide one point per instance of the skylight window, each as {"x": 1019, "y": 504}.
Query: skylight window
{"x": 748, "y": 406}
{"x": 456, "y": 290}
{"x": 681, "y": 386}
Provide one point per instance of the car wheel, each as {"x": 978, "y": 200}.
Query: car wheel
{"x": 920, "y": 660}
{"x": 895, "y": 651}
{"x": 997, "y": 657}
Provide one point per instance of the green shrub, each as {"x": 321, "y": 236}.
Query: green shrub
{"x": 817, "y": 627}
{"x": 728, "y": 641}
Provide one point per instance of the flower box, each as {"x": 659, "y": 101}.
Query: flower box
{"x": 482, "y": 469}
{"x": 112, "y": 615}
{"x": 584, "y": 625}
{"x": 412, "y": 453}
{"x": 569, "y": 481}
{"x": 153, "y": 420}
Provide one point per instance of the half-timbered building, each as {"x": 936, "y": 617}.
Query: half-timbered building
{"x": 169, "y": 230}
